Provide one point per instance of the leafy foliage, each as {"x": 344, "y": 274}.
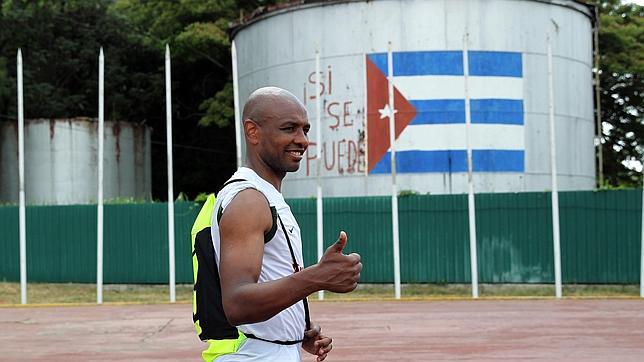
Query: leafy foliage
{"x": 60, "y": 43}
{"x": 197, "y": 32}
{"x": 219, "y": 109}
{"x": 621, "y": 46}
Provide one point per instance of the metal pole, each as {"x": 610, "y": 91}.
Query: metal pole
{"x": 394, "y": 188}
{"x": 168, "y": 113}
{"x": 600, "y": 133}
{"x": 553, "y": 170}
{"x": 471, "y": 206}
{"x": 99, "y": 210}
{"x": 21, "y": 179}
{"x": 642, "y": 243}
{"x": 318, "y": 130}
{"x": 238, "y": 125}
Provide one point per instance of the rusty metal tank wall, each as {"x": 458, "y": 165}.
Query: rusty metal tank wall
{"x": 61, "y": 161}
{"x": 508, "y": 86}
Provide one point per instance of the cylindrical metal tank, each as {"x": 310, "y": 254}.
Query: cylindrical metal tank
{"x": 506, "y": 68}
{"x": 61, "y": 161}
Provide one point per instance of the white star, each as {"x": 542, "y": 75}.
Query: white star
{"x": 387, "y": 112}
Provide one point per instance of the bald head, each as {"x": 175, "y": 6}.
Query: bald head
{"x": 264, "y": 102}
{"x": 276, "y": 128}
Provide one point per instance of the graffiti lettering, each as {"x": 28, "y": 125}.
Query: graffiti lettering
{"x": 339, "y": 114}
{"x": 326, "y": 85}
{"x": 346, "y": 114}
{"x": 342, "y": 156}
{"x": 312, "y": 81}
{"x": 340, "y": 152}
{"x": 331, "y": 111}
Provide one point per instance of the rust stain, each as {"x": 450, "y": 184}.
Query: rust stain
{"x": 116, "y": 132}
{"x": 138, "y": 140}
{"x": 52, "y": 128}
{"x": 139, "y": 178}
{"x": 14, "y": 127}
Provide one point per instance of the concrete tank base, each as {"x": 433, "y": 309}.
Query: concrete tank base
{"x": 61, "y": 164}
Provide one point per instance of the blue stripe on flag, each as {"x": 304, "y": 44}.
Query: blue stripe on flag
{"x": 453, "y": 161}
{"x": 421, "y": 63}
{"x": 498, "y": 160}
{"x": 497, "y": 111}
{"x": 481, "y": 63}
{"x": 428, "y": 63}
{"x": 447, "y": 111}
{"x": 501, "y": 64}
{"x": 380, "y": 60}
{"x": 439, "y": 111}
{"x": 424, "y": 161}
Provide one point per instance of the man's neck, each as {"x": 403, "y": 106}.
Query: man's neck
{"x": 266, "y": 173}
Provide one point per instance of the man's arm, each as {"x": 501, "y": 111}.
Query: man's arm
{"x": 242, "y": 228}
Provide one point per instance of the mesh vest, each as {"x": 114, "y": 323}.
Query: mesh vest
{"x": 207, "y": 308}
{"x": 208, "y": 313}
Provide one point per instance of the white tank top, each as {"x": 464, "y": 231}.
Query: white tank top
{"x": 289, "y": 324}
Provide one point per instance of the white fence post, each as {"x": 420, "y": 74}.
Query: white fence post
{"x": 471, "y": 206}
{"x": 394, "y": 187}
{"x": 21, "y": 176}
{"x": 99, "y": 211}
{"x": 318, "y": 129}
{"x": 553, "y": 170}
{"x": 168, "y": 113}
{"x": 238, "y": 125}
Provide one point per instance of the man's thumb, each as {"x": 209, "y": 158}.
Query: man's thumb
{"x": 342, "y": 241}
{"x": 313, "y": 332}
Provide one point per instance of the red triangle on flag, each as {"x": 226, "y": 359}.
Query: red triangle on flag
{"x": 377, "y": 127}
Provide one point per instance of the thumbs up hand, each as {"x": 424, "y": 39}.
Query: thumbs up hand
{"x": 339, "y": 244}
{"x": 338, "y": 272}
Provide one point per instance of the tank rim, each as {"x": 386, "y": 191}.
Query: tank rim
{"x": 265, "y": 12}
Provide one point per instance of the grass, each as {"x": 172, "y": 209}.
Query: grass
{"x": 55, "y": 293}
{"x": 50, "y": 293}
{"x": 456, "y": 291}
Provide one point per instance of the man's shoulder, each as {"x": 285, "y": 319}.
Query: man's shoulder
{"x": 249, "y": 210}
{"x": 249, "y": 196}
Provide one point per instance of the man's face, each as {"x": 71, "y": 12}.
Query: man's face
{"x": 284, "y": 137}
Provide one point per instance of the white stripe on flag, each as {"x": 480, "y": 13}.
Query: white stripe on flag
{"x": 428, "y": 137}
{"x": 452, "y": 87}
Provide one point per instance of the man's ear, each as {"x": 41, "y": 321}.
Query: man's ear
{"x": 251, "y": 129}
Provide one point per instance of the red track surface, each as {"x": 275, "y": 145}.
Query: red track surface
{"x": 571, "y": 330}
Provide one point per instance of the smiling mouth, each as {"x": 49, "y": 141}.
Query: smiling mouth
{"x": 296, "y": 154}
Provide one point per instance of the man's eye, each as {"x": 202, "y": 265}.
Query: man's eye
{"x": 289, "y": 129}
{"x": 306, "y": 130}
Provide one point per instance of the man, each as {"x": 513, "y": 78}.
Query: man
{"x": 257, "y": 241}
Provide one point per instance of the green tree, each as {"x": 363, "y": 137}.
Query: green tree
{"x": 621, "y": 46}
{"x": 60, "y": 41}
{"x": 197, "y": 32}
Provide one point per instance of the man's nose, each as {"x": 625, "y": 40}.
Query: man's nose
{"x": 302, "y": 139}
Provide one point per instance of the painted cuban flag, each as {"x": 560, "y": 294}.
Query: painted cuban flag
{"x": 429, "y": 102}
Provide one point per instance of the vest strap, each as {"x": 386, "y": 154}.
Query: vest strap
{"x": 296, "y": 268}
{"x": 284, "y": 343}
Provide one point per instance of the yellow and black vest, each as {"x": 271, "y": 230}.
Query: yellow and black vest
{"x": 207, "y": 308}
